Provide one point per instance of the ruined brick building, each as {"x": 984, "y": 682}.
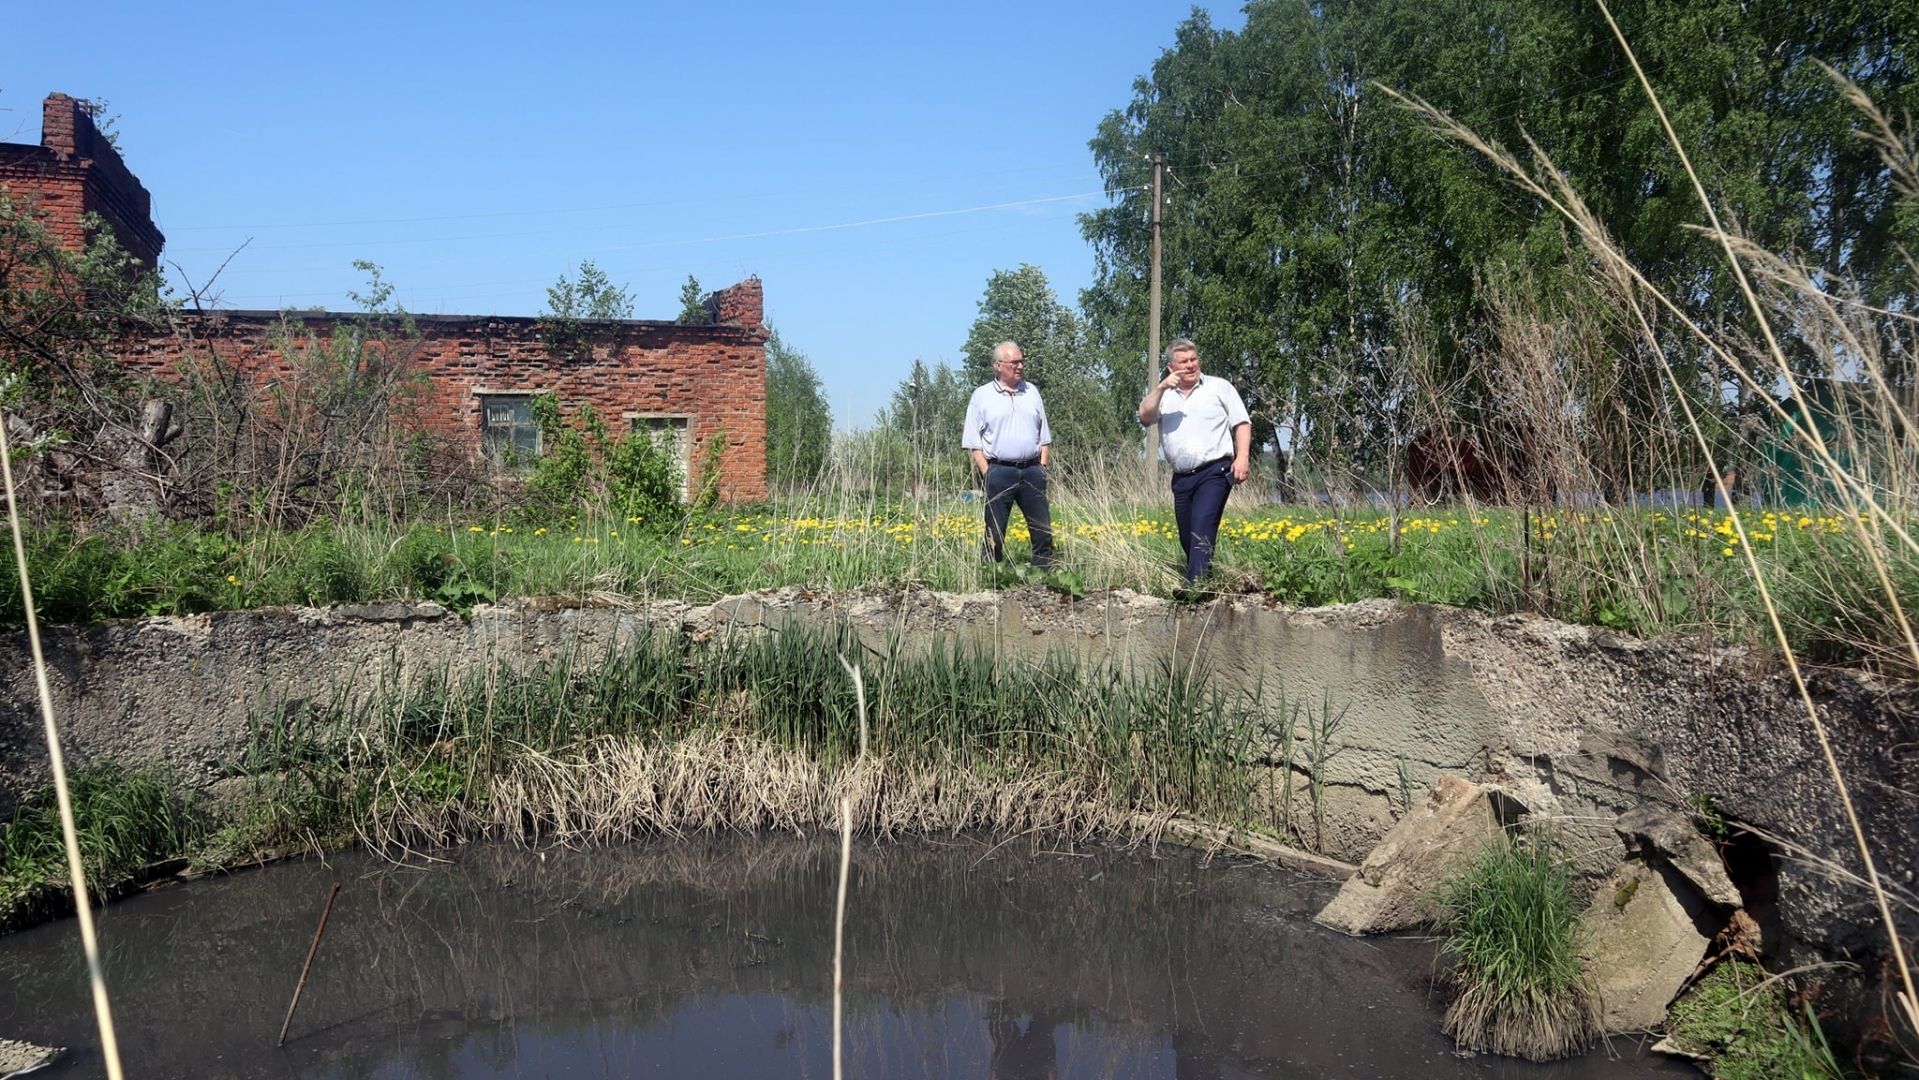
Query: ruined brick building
{"x": 693, "y": 382}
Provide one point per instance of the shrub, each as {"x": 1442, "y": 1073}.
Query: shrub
{"x": 643, "y": 480}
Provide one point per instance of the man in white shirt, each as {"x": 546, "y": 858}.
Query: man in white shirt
{"x": 1007, "y": 435}
{"x": 1207, "y": 438}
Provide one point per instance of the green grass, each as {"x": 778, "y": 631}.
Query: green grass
{"x": 1746, "y": 1029}
{"x": 125, "y": 820}
{"x": 1642, "y": 572}
{"x": 1512, "y": 934}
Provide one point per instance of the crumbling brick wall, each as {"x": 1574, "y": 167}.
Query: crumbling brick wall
{"x": 712, "y": 376}
{"x": 75, "y": 171}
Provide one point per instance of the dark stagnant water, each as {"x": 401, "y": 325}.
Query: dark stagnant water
{"x": 713, "y": 958}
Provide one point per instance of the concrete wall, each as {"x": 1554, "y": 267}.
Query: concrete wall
{"x": 1579, "y": 723}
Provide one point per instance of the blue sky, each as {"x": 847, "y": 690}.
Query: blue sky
{"x": 872, "y": 163}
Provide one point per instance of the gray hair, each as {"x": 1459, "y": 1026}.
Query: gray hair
{"x": 999, "y": 351}
{"x": 1180, "y": 344}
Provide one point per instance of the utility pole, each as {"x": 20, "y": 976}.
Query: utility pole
{"x": 917, "y": 369}
{"x": 1152, "y": 325}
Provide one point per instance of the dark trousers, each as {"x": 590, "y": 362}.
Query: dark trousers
{"x": 1008, "y": 486}
{"x": 1199, "y": 501}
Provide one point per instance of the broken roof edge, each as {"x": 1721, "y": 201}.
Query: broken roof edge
{"x": 262, "y": 315}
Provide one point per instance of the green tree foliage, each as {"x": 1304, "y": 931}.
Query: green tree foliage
{"x": 692, "y": 303}
{"x": 1309, "y": 217}
{"x": 916, "y": 435}
{"x": 569, "y": 304}
{"x": 1021, "y": 307}
{"x": 799, "y": 422}
{"x": 60, "y": 314}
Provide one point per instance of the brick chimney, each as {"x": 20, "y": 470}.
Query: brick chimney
{"x": 85, "y": 175}
{"x": 61, "y": 120}
{"x": 742, "y": 305}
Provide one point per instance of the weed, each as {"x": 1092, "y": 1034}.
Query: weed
{"x": 1742, "y": 1022}
{"x": 1320, "y": 751}
{"x": 1705, "y": 814}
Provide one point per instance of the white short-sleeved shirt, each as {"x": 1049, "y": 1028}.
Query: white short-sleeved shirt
{"x": 1009, "y": 425}
{"x": 1198, "y": 427}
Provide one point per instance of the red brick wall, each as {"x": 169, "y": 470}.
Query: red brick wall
{"x": 715, "y": 374}
{"x": 75, "y": 171}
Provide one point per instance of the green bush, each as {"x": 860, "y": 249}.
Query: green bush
{"x": 642, "y": 481}
{"x": 562, "y": 475}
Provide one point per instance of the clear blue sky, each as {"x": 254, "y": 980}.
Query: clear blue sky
{"x": 843, "y": 152}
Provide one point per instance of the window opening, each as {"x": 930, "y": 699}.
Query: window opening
{"x": 674, "y": 432}
{"x": 509, "y": 435}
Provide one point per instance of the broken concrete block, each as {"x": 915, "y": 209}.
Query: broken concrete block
{"x": 1669, "y": 833}
{"x": 1449, "y": 829}
{"x": 1646, "y": 931}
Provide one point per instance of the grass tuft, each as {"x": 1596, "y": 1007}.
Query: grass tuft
{"x": 125, "y": 820}
{"x": 1513, "y": 938}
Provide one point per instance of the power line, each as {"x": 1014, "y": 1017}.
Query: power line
{"x": 838, "y": 188}
{"x": 675, "y": 243}
{"x": 278, "y": 297}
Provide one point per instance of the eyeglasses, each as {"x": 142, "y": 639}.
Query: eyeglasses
{"x": 1014, "y": 363}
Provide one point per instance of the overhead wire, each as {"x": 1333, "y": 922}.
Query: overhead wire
{"x": 761, "y": 258}
{"x": 836, "y": 188}
{"x": 694, "y": 240}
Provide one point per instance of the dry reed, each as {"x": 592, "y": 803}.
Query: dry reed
{"x": 1858, "y": 466}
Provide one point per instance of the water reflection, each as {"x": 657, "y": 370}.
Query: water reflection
{"x": 1023, "y": 1055}
{"x": 713, "y": 958}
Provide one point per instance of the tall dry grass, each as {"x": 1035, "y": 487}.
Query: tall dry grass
{"x": 1858, "y": 456}
{"x": 763, "y": 732}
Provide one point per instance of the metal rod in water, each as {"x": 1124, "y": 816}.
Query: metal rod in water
{"x": 308, "y": 966}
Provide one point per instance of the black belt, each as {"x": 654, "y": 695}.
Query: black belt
{"x": 1020, "y": 464}
{"x": 1202, "y": 468}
